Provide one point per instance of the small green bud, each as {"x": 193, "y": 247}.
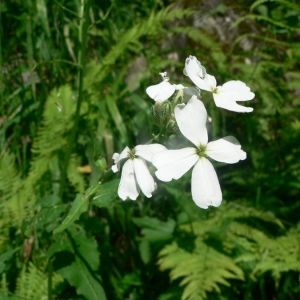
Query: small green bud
{"x": 166, "y": 110}
{"x": 178, "y": 99}
{"x": 172, "y": 125}
{"x": 157, "y": 108}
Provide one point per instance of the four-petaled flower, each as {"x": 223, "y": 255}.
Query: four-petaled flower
{"x": 225, "y": 96}
{"x": 135, "y": 173}
{"x": 173, "y": 164}
{"x": 164, "y": 90}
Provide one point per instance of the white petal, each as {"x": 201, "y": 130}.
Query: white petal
{"x": 117, "y": 159}
{"x": 189, "y": 92}
{"x": 161, "y": 91}
{"x": 128, "y": 186}
{"x": 206, "y": 189}
{"x": 143, "y": 177}
{"x": 179, "y": 87}
{"x": 147, "y": 151}
{"x": 172, "y": 164}
{"x": 115, "y": 168}
{"x": 191, "y": 119}
{"x": 224, "y": 100}
{"x": 193, "y": 67}
{"x": 227, "y": 150}
{"x": 197, "y": 73}
{"x": 238, "y": 90}
{"x": 211, "y": 82}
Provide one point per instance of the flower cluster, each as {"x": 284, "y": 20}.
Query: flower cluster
{"x": 191, "y": 118}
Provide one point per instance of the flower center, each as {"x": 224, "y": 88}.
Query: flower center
{"x": 131, "y": 154}
{"x": 215, "y": 90}
{"x": 201, "y": 151}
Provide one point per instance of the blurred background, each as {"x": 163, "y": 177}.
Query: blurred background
{"x": 72, "y": 92}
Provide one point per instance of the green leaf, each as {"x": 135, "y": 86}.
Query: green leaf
{"x": 80, "y": 205}
{"x": 3, "y": 296}
{"x": 107, "y": 193}
{"x": 49, "y": 201}
{"x": 48, "y": 216}
{"x": 6, "y": 256}
{"x": 82, "y": 272}
{"x": 154, "y": 230}
{"x": 117, "y": 117}
{"x": 86, "y": 284}
{"x": 101, "y": 164}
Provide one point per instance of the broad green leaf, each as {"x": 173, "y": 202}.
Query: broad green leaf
{"x": 48, "y": 216}
{"x": 107, "y": 193}
{"x": 80, "y": 205}
{"x": 87, "y": 284}
{"x": 82, "y": 272}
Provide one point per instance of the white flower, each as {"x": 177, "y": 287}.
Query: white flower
{"x": 225, "y": 96}
{"x": 172, "y": 164}
{"x": 164, "y": 90}
{"x": 135, "y": 173}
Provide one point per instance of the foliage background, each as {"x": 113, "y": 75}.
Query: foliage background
{"x": 73, "y": 79}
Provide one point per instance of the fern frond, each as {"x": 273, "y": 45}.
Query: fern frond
{"x": 8, "y": 175}
{"x": 282, "y": 255}
{"x": 151, "y": 26}
{"x": 202, "y": 270}
{"x": 74, "y": 176}
{"x": 52, "y": 137}
{"x": 13, "y": 205}
{"x": 32, "y": 284}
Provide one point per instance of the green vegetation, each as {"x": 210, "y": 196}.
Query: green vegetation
{"x": 72, "y": 92}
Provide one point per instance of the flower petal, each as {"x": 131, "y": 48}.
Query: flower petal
{"x": 188, "y": 92}
{"x": 147, "y": 151}
{"x": 172, "y": 164}
{"x": 128, "y": 186}
{"x": 191, "y": 119}
{"x": 161, "y": 91}
{"x": 117, "y": 159}
{"x": 224, "y": 100}
{"x": 179, "y": 87}
{"x": 206, "y": 189}
{"x": 143, "y": 177}
{"x": 238, "y": 90}
{"x": 227, "y": 150}
{"x": 197, "y": 73}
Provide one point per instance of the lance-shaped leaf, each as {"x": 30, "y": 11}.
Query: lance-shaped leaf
{"x": 80, "y": 205}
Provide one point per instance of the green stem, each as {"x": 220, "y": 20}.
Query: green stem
{"x": 82, "y": 35}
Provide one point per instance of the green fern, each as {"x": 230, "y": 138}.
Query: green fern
{"x": 13, "y": 208}
{"x": 202, "y": 270}
{"x": 237, "y": 246}
{"x": 32, "y": 284}
{"x": 151, "y": 26}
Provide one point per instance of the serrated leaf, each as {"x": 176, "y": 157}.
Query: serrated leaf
{"x": 82, "y": 272}
{"x": 80, "y": 205}
{"x": 86, "y": 284}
